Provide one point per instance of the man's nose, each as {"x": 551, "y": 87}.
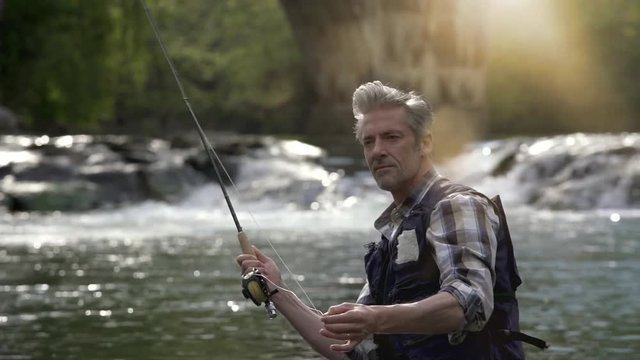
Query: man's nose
{"x": 378, "y": 149}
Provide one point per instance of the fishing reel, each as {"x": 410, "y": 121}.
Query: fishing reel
{"x": 255, "y": 287}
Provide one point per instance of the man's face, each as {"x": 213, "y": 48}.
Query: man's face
{"x": 395, "y": 157}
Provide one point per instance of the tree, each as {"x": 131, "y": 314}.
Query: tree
{"x": 71, "y": 65}
{"x": 61, "y": 59}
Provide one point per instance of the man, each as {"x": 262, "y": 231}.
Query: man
{"x": 430, "y": 288}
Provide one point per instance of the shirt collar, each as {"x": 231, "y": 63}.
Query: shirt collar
{"x": 389, "y": 221}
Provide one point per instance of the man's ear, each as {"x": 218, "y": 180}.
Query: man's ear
{"x": 427, "y": 144}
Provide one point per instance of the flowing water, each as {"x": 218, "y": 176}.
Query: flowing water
{"x": 159, "y": 281}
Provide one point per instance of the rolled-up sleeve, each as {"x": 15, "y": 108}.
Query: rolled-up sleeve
{"x": 462, "y": 232}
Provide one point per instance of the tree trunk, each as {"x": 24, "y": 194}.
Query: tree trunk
{"x": 435, "y": 47}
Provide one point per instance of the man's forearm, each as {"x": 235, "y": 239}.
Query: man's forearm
{"x": 306, "y": 322}
{"x": 437, "y": 314}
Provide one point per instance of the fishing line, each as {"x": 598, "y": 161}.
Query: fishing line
{"x": 215, "y": 159}
{"x": 288, "y": 291}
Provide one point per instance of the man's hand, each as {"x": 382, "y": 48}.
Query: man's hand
{"x": 350, "y": 322}
{"x": 264, "y": 264}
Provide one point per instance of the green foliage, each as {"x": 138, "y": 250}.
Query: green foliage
{"x": 237, "y": 59}
{"x": 68, "y": 65}
{"x": 57, "y": 63}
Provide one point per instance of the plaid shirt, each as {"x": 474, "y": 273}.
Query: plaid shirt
{"x": 462, "y": 233}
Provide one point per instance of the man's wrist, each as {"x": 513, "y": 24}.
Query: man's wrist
{"x": 381, "y": 315}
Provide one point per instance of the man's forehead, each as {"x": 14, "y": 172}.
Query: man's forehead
{"x": 387, "y": 118}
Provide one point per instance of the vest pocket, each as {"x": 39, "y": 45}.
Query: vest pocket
{"x": 411, "y": 283}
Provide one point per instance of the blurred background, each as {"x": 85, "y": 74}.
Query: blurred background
{"x": 517, "y": 66}
{"x": 115, "y": 242}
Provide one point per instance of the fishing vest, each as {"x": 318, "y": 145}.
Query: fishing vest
{"x": 392, "y": 283}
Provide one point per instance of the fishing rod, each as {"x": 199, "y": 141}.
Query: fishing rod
{"x": 254, "y": 284}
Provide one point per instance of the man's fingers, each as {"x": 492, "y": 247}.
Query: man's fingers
{"x": 334, "y": 335}
{"x": 339, "y": 309}
{"x": 248, "y": 263}
{"x": 259, "y": 255}
{"x": 348, "y": 346}
{"x": 244, "y": 257}
{"x": 339, "y": 318}
{"x": 342, "y": 328}
{"x": 342, "y": 333}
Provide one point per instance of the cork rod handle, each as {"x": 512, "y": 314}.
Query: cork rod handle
{"x": 245, "y": 245}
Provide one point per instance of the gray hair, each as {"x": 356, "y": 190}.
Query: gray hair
{"x": 374, "y": 95}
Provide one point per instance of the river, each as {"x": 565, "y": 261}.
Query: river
{"x": 157, "y": 280}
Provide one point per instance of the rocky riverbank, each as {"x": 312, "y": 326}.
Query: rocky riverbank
{"x": 83, "y": 172}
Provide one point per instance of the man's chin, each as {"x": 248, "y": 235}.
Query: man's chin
{"x": 385, "y": 184}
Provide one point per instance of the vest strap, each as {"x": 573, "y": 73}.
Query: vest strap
{"x": 504, "y": 295}
{"x": 506, "y": 335}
